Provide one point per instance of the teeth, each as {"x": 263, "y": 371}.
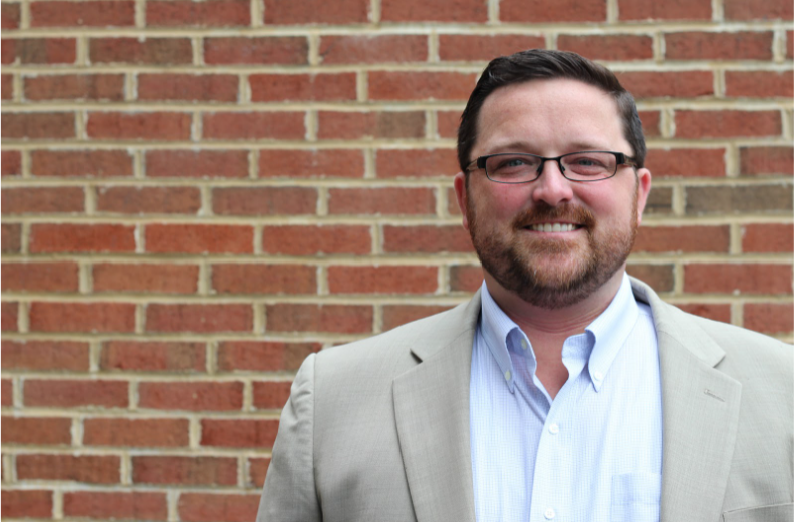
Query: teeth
{"x": 556, "y": 227}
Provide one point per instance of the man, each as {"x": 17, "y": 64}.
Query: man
{"x": 565, "y": 390}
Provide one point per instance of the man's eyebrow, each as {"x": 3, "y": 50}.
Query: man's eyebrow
{"x": 521, "y": 146}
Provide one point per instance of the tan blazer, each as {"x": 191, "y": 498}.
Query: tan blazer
{"x": 378, "y": 430}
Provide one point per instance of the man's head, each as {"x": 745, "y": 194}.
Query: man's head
{"x": 551, "y": 241}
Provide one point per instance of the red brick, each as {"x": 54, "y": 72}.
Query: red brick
{"x": 199, "y": 239}
{"x": 253, "y": 125}
{"x": 27, "y": 503}
{"x": 683, "y": 84}
{"x": 9, "y": 315}
{"x": 790, "y": 44}
{"x": 617, "y": 47}
{"x": 687, "y": 162}
{"x": 416, "y": 163}
{"x": 75, "y": 393}
{"x": 719, "y": 46}
{"x": 362, "y": 49}
{"x": 38, "y": 125}
{"x": 270, "y": 201}
{"x": 434, "y": 10}
{"x": 81, "y": 163}
{"x": 9, "y": 19}
{"x": 650, "y": 121}
{"x": 174, "y": 356}
{"x": 11, "y": 163}
{"x": 266, "y": 50}
{"x": 188, "y": 87}
{"x": 82, "y": 317}
{"x": 726, "y": 124}
{"x": 683, "y": 239}
{"x": 9, "y": 50}
{"x": 553, "y": 11}
{"x": 746, "y": 10}
{"x": 367, "y": 125}
{"x": 257, "y": 470}
{"x": 659, "y": 277}
{"x": 69, "y": 237}
{"x": 263, "y": 356}
{"x": 744, "y": 279}
{"x": 7, "y": 392}
{"x": 149, "y": 200}
{"x": 382, "y": 279}
{"x": 278, "y": 12}
{"x": 42, "y": 200}
{"x": 426, "y": 239}
{"x": 108, "y": 87}
{"x": 82, "y": 14}
{"x": 95, "y": 469}
{"x": 238, "y": 433}
{"x": 315, "y": 239}
{"x": 302, "y": 87}
{"x": 716, "y": 312}
{"x": 194, "y": 396}
{"x": 12, "y": 237}
{"x": 193, "y": 471}
{"x": 397, "y": 315}
{"x": 36, "y": 430}
{"x": 311, "y": 164}
{"x": 147, "y": 51}
{"x": 145, "y": 278}
{"x": 270, "y": 395}
{"x": 263, "y": 279}
{"x": 58, "y": 356}
{"x": 211, "y": 13}
{"x": 477, "y": 47}
{"x": 448, "y": 123}
{"x": 137, "y": 505}
{"x": 452, "y": 207}
{"x": 197, "y": 164}
{"x": 767, "y": 237}
{"x": 207, "y": 507}
{"x": 465, "y": 278}
{"x": 672, "y": 10}
{"x": 7, "y": 86}
{"x": 770, "y": 318}
{"x": 382, "y": 201}
{"x": 40, "y": 277}
{"x": 766, "y": 160}
{"x": 41, "y": 51}
{"x": 759, "y": 84}
{"x": 199, "y": 318}
{"x": 161, "y": 432}
{"x": 139, "y": 126}
{"x": 344, "y": 319}
{"x": 419, "y": 85}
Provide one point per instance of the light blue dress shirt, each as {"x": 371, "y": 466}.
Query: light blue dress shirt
{"x": 594, "y": 452}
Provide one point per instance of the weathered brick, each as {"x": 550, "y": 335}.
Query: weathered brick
{"x": 434, "y": 11}
{"x": 147, "y": 433}
{"x": 660, "y": 201}
{"x": 738, "y": 199}
{"x": 149, "y": 200}
{"x": 146, "y": 51}
{"x": 238, "y": 433}
{"x": 253, "y": 125}
{"x": 682, "y": 84}
{"x": 767, "y": 237}
{"x": 9, "y": 316}
{"x": 38, "y": 125}
{"x": 270, "y": 394}
{"x": 49, "y": 51}
{"x": 673, "y": 10}
{"x": 362, "y": 49}
{"x": 791, "y": 44}
{"x": 382, "y": 279}
{"x": 188, "y": 87}
{"x": 263, "y": 356}
{"x": 416, "y": 163}
{"x": 650, "y": 121}
{"x": 257, "y": 470}
{"x": 769, "y": 318}
{"x": 139, "y": 126}
{"x": 9, "y": 18}
{"x": 11, "y": 163}
{"x": 145, "y": 278}
{"x": 136, "y": 505}
{"x": 11, "y": 237}
{"x": 765, "y": 160}
{"x": 270, "y": 50}
{"x": 263, "y": 279}
{"x": 743, "y": 45}
{"x": 368, "y": 125}
{"x": 709, "y": 238}
{"x": 448, "y": 123}
{"x": 620, "y": 47}
{"x": 473, "y": 47}
{"x": 94, "y": 469}
{"x": 658, "y": 277}
{"x": 311, "y": 164}
{"x": 8, "y": 50}
{"x": 40, "y": 277}
{"x": 42, "y": 200}
{"x": 207, "y": 507}
{"x": 514, "y": 11}
{"x": 6, "y": 86}
{"x": 59, "y": 356}
{"x": 452, "y": 206}
{"x": 316, "y": 239}
{"x": 153, "y": 356}
{"x": 759, "y": 84}
{"x": 107, "y": 87}
{"x": 344, "y": 319}
{"x": 192, "y": 471}
{"x": 82, "y": 317}
{"x": 6, "y": 392}
{"x": 418, "y": 85}
{"x": 686, "y": 162}
{"x": 714, "y": 311}
{"x": 747, "y": 11}
{"x": 199, "y": 318}
{"x": 193, "y": 396}
{"x": 75, "y": 393}
{"x": 382, "y": 201}
{"x": 36, "y": 430}
{"x": 727, "y": 124}
{"x": 397, "y": 315}
{"x": 465, "y": 278}
{"x": 27, "y": 503}
{"x": 745, "y": 279}
{"x": 278, "y": 12}
{"x": 198, "y": 239}
{"x": 196, "y": 164}
{"x": 270, "y": 201}
{"x": 211, "y": 13}
{"x": 81, "y": 238}
{"x": 426, "y": 239}
{"x": 81, "y": 163}
{"x": 97, "y": 13}
{"x": 302, "y": 87}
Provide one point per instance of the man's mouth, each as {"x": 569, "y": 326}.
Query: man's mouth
{"x": 553, "y": 227}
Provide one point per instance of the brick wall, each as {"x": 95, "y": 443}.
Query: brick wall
{"x": 196, "y": 195}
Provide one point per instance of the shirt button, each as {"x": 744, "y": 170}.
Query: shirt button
{"x": 507, "y": 375}
{"x": 549, "y": 514}
{"x": 554, "y": 429}
{"x": 524, "y": 344}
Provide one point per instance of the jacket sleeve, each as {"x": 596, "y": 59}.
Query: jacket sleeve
{"x": 289, "y": 492}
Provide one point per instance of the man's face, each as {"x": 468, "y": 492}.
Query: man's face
{"x": 597, "y": 220}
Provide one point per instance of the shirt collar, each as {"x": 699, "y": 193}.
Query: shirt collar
{"x": 607, "y": 333}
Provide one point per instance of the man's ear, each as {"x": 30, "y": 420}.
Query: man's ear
{"x": 462, "y": 196}
{"x": 643, "y": 188}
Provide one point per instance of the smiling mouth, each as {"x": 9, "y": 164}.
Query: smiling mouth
{"x": 553, "y": 227}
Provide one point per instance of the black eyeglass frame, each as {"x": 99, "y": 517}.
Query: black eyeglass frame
{"x": 620, "y": 159}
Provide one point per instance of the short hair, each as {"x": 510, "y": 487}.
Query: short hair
{"x": 541, "y": 64}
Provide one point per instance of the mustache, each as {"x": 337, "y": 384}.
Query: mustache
{"x": 545, "y": 212}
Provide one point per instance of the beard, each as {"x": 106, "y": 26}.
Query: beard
{"x": 552, "y": 273}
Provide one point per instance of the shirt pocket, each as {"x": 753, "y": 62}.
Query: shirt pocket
{"x": 636, "y": 497}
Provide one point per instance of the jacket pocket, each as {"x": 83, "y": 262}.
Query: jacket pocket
{"x": 775, "y": 513}
{"x": 636, "y": 497}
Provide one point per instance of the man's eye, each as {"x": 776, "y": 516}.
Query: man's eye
{"x": 513, "y": 162}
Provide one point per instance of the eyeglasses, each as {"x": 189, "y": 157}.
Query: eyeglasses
{"x": 517, "y": 167}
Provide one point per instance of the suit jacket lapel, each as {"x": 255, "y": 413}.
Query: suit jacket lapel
{"x": 700, "y": 410}
{"x": 431, "y": 408}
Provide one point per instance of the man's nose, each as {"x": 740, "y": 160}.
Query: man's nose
{"x": 552, "y": 187}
